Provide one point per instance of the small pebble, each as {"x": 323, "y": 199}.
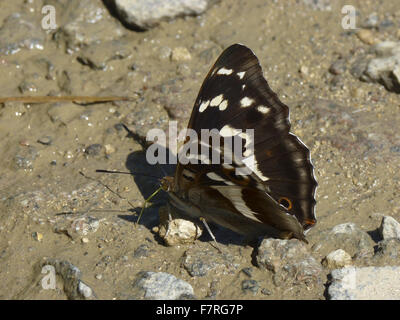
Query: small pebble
{"x": 93, "y": 149}
{"x": 357, "y": 92}
{"x": 183, "y": 70}
{"x": 68, "y": 154}
{"x": 248, "y": 271}
{"x": 109, "y": 149}
{"x": 250, "y": 285}
{"x": 337, "y": 259}
{"x": 386, "y": 23}
{"x": 304, "y": 70}
{"x": 85, "y": 290}
{"x": 337, "y": 82}
{"x": 37, "y": 236}
{"x": 141, "y": 251}
{"x": 26, "y": 86}
{"x": 371, "y": 21}
{"x": 134, "y": 67}
{"x": 338, "y": 67}
{"x": 180, "y": 54}
{"x": 177, "y": 231}
{"x": 164, "y": 53}
{"x": 266, "y": 291}
{"x": 85, "y": 240}
{"x": 45, "y": 140}
{"x": 119, "y": 127}
{"x": 99, "y": 276}
{"x": 366, "y": 36}
{"x": 24, "y": 143}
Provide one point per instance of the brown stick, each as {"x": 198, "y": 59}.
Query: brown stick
{"x": 50, "y": 99}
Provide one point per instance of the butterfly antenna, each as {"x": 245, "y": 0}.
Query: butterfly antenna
{"x": 135, "y": 173}
{"x": 107, "y": 187}
{"x": 130, "y": 173}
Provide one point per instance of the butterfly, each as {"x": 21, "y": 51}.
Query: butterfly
{"x": 276, "y": 197}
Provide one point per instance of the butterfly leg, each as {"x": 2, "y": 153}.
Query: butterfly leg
{"x": 211, "y": 234}
{"x": 169, "y": 219}
{"x": 287, "y": 235}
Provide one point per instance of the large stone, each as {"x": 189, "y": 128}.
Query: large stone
{"x": 200, "y": 261}
{"x": 387, "y": 253}
{"x": 73, "y": 286}
{"x": 144, "y": 14}
{"x": 385, "y": 68}
{"x": 389, "y": 228}
{"x": 347, "y": 236}
{"x": 290, "y": 261}
{"x": 77, "y": 227}
{"x": 98, "y": 55}
{"x": 84, "y": 22}
{"x": 368, "y": 283}
{"x": 161, "y": 286}
{"x": 20, "y": 31}
{"x": 337, "y": 259}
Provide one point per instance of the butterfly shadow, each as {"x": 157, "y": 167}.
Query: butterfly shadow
{"x": 148, "y": 181}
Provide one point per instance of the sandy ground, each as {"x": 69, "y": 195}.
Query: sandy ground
{"x": 350, "y": 128}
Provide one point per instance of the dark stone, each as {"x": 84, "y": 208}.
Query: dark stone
{"x": 47, "y": 140}
{"x": 387, "y": 252}
{"x": 338, "y": 67}
{"x": 290, "y": 262}
{"x": 395, "y": 149}
{"x": 25, "y": 157}
{"x": 250, "y": 286}
{"x": 266, "y": 291}
{"x": 200, "y": 262}
{"x": 93, "y": 149}
{"x": 248, "y": 271}
{"x": 142, "y": 251}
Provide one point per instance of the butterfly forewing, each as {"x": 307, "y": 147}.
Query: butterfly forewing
{"x": 235, "y": 93}
{"x": 235, "y": 97}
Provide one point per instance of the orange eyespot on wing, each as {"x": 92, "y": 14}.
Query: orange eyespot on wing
{"x": 269, "y": 153}
{"x": 286, "y": 202}
{"x": 309, "y": 222}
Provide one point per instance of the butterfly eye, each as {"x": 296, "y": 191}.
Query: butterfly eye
{"x": 285, "y": 202}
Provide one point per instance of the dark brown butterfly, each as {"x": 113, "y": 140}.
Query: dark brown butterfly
{"x": 277, "y": 197}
